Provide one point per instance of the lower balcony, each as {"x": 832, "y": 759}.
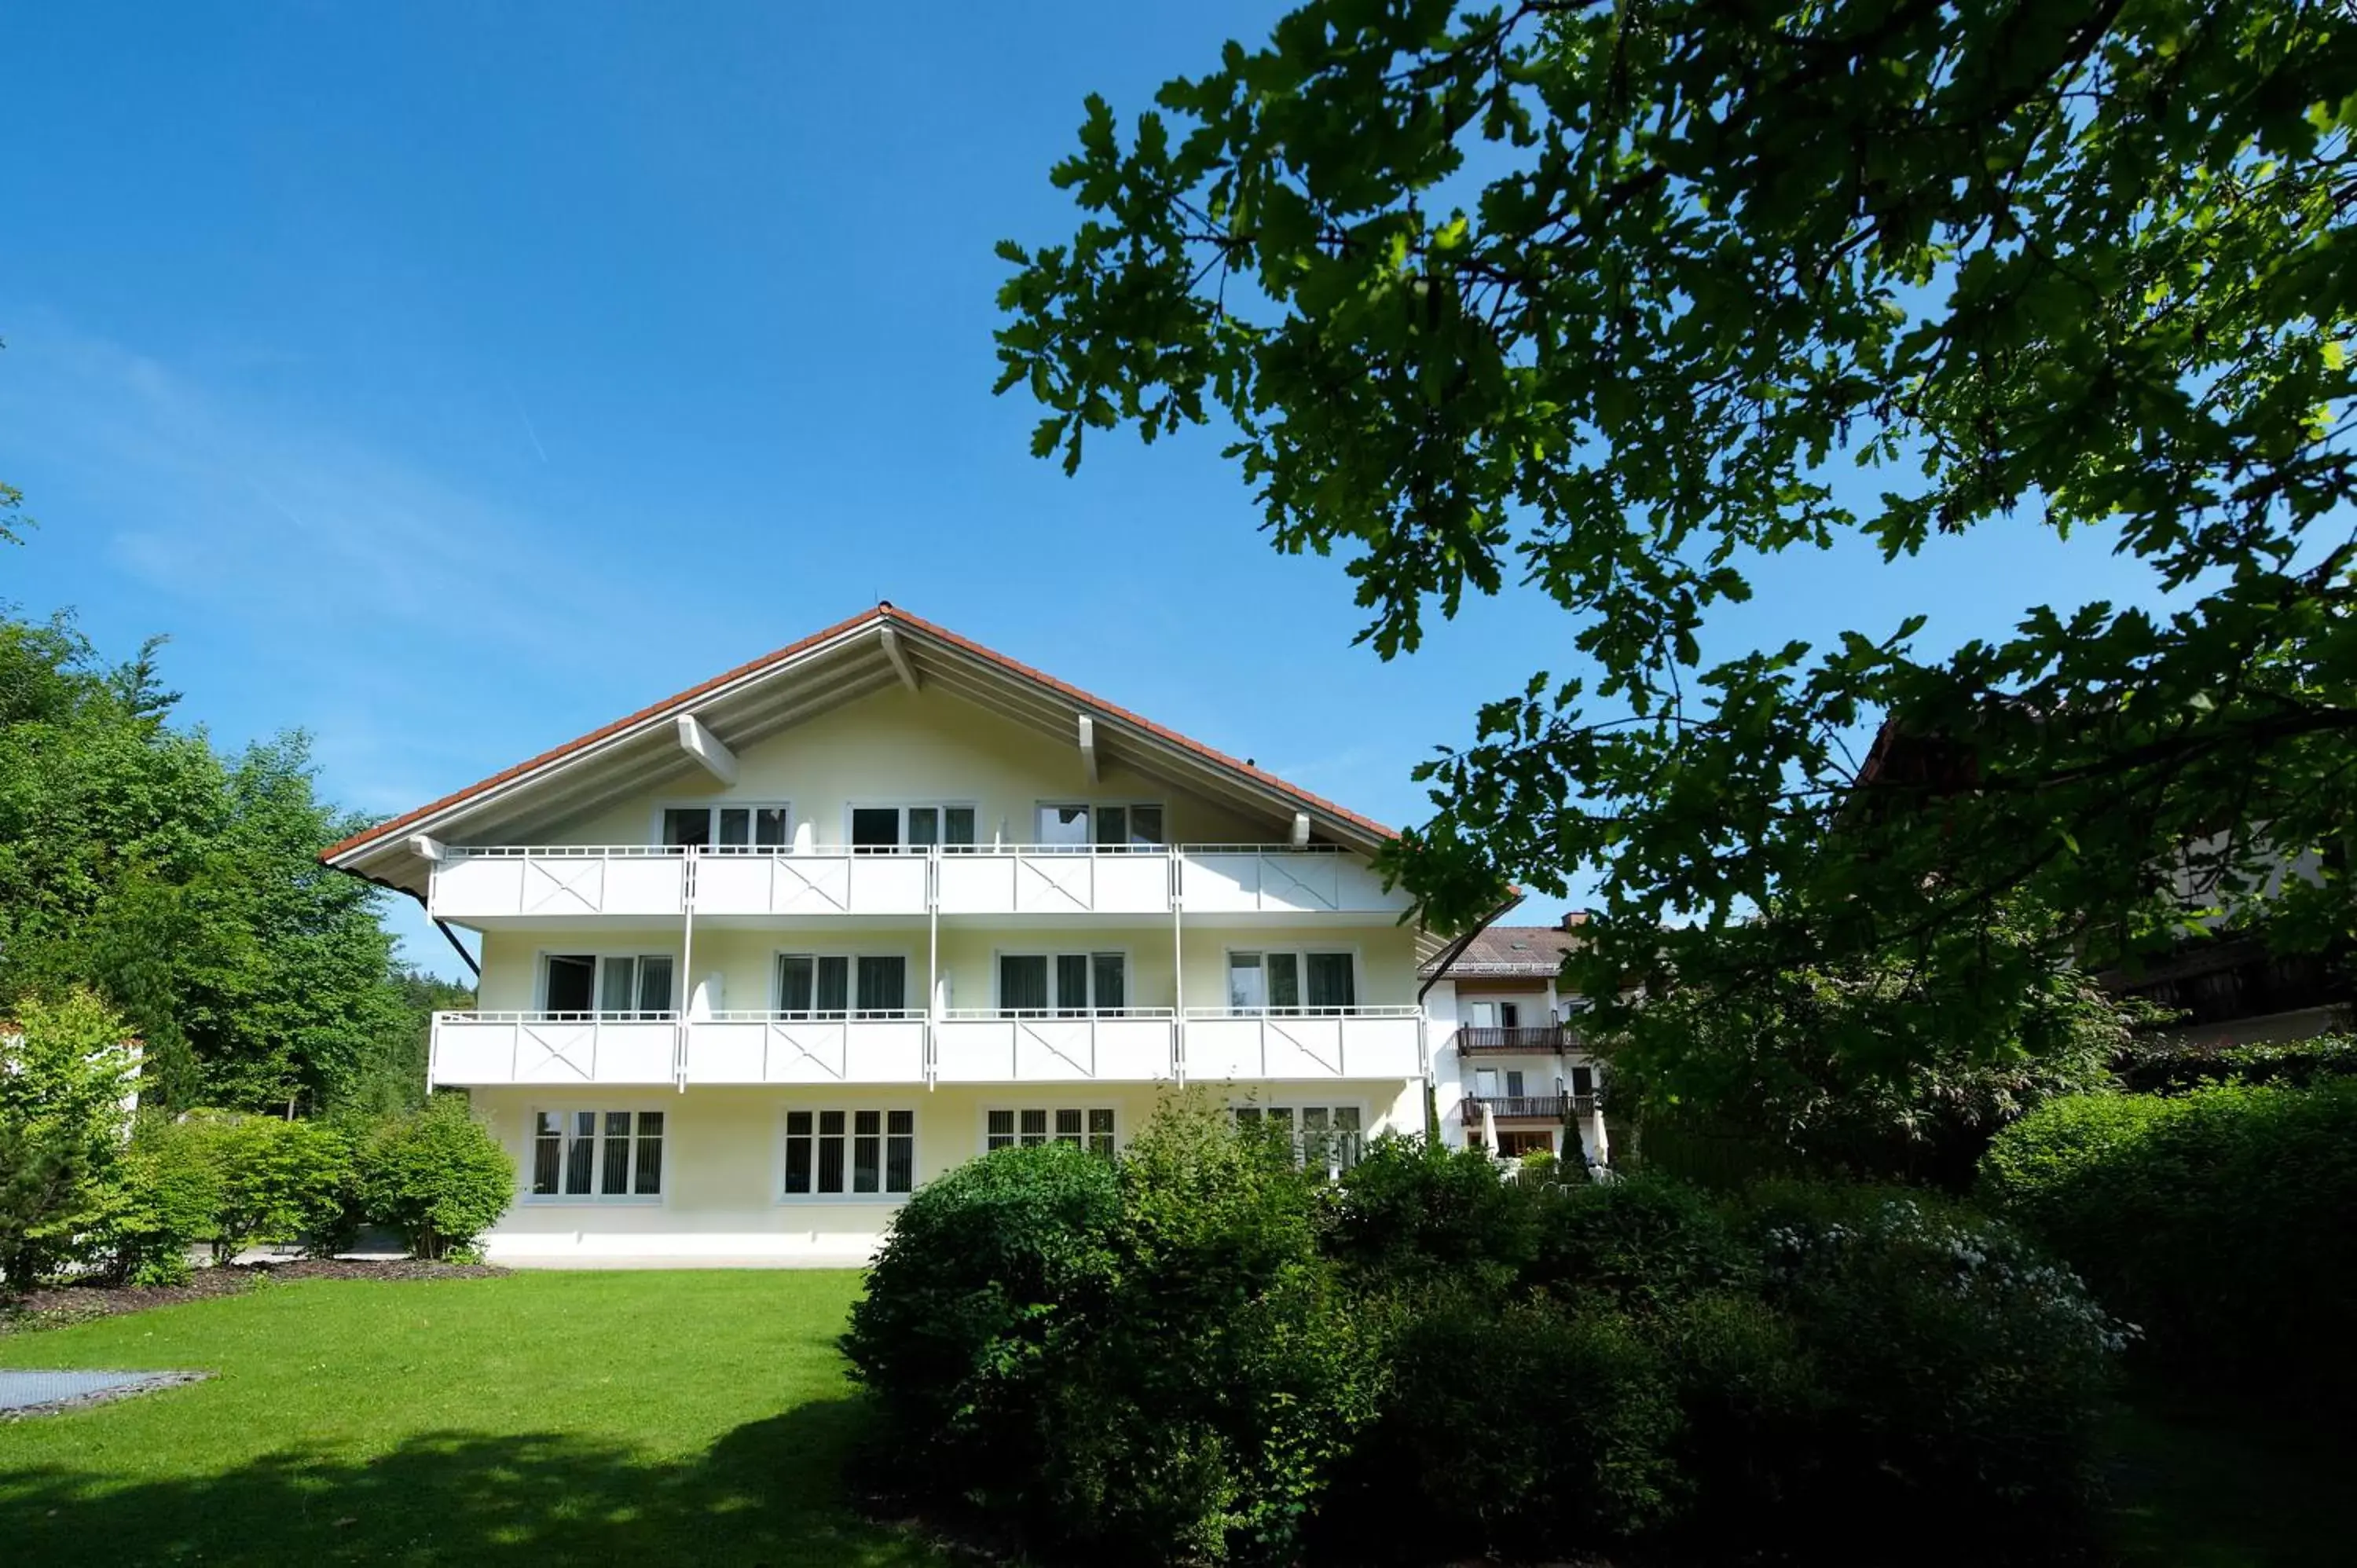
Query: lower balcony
{"x": 555, "y": 1047}
{"x": 787, "y": 1047}
{"x": 1132, "y": 1044}
{"x": 1325, "y": 1043}
{"x": 1137, "y": 1043}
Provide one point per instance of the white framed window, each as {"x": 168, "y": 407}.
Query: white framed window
{"x": 1063, "y": 984}
{"x": 1029, "y": 1126}
{"x": 842, "y": 985}
{"x": 610, "y": 985}
{"x": 1495, "y": 1014}
{"x": 734, "y": 826}
{"x": 880, "y": 829}
{"x": 850, "y": 1152}
{"x": 593, "y": 1155}
{"x": 1583, "y": 1081}
{"x": 1105, "y": 824}
{"x": 1274, "y": 981}
{"x": 1323, "y": 1136}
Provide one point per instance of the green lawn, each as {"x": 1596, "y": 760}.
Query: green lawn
{"x": 539, "y": 1418}
{"x": 2201, "y": 1484}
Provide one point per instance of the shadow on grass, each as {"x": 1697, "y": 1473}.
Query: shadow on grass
{"x": 766, "y": 1493}
{"x": 2201, "y": 1482}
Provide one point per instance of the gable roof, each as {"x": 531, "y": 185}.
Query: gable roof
{"x": 869, "y": 652}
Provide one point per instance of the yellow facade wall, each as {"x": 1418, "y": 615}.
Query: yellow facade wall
{"x": 745, "y": 960}
{"x": 723, "y": 1164}
{"x": 901, "y": 747}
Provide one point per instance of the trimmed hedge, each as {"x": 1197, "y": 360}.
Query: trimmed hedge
{"x": 2159, "y": 1069}
{"x": 2222, "y": 1221}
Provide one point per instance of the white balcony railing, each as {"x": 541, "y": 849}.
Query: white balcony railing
{"x": 781, "y": 1047}
{"x": 1055, "y": 879}
{"x": 549, "y": 881}
{"x": 1323, "y": 1043}
{"x": 555, "y": 1047}
{"x": 538, "y": 883}
{"x": 1138, "y": 1045}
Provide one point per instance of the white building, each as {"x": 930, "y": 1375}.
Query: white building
{"x": 1507, "y": 1058}
{"x": 759, "y": 960}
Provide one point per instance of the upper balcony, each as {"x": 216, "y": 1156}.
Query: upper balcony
{"x": 1489, "y": 1040}
{"x": 561, "y": 883}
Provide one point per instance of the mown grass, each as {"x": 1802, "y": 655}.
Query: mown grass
{"x": 702, "y": 1417}
{"x": 2200, "y": 1483}
{"x": 540, "y": 1418}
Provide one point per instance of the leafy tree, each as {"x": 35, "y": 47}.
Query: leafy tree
{"x": 11, "y": 498}
{"x": 1618, "y": 299}
{"x": 183, "y": 886}
{"x": 1793, "y": 1071}
{"x": 66, "y": 1068}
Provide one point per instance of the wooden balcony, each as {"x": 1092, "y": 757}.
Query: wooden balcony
{"x": 1528, "y": 1107}
{"x": 1544, "y": 1040}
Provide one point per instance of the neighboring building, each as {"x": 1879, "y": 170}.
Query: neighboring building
{"x": 759, "y": 960}
{"x": 1506, "y": 1047}
{"x": 2220, "y": 986}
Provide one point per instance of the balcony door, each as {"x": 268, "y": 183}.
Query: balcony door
{"x": 617, "y": 986}
{"x": 880, "y": 830}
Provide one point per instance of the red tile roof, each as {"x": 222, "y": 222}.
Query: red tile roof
{"x": 882, "y": 615}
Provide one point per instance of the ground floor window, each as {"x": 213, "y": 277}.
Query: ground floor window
{"x": 835, "y": 1153}
{"x": 597, "y": 1154}
{"x": 1328, "y": 1136}
{"x": 1089, "y": 1128}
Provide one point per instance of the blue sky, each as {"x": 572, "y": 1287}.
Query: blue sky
{"x": 449, "y": 379}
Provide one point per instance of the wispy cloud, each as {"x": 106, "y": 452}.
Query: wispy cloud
{"x": 250, "y": 510}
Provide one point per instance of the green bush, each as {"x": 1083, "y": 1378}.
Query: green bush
{"x": 1201, "y": 1354}
{"x": 986, "y": 1272}
{"x": 435, "y": 1175}
{"x": 1961, "y": 1374}
{"x": 66, "y": 1072}
{"x": 166, "y": 1199}
{"x": 2165, "y": 1069}
{"x": 1232, "y": 1344}
{"x": 1649, "y": 1242}
{"x": 1411, "y": 1207}
{"x": 273, "y": 1181}
{"x": 1149, "y": 1361}
{"x": 1515, "y": 1425}
{"x": 2218, "y": 1220}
